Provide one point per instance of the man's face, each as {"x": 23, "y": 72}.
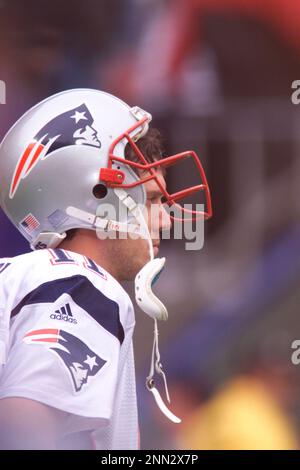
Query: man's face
{"x": 133, "y": 254}
{"x": 157, "y": 217}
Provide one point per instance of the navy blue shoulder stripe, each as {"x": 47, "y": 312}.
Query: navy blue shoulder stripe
{"x": 104, "y": 310}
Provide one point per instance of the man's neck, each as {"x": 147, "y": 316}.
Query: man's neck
{"x": 85, "y": 243}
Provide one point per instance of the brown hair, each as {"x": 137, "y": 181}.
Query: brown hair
{"x": 151, "y": 146}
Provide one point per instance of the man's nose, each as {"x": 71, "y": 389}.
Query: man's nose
{"x": 165, "y": 222}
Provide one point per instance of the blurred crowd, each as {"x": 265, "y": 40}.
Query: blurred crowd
{"x": 216, "y": 75}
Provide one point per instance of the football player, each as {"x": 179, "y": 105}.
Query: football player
{"x": 80, "y": 176}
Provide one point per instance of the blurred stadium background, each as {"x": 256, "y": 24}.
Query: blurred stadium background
{"x": 216, "y": 75}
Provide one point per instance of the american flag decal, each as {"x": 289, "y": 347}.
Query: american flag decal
{"x": 30, "y": 223}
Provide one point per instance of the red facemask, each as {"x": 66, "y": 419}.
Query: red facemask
{"x": 115, "y": 178}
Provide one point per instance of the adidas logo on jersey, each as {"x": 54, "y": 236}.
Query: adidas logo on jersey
{"x": 65, "y": 314}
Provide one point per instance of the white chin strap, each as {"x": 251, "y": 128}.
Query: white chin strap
{"x": 149, "y": 302}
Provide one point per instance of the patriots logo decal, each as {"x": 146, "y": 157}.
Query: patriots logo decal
{"x": 79, "y": 359}
{"x": 74, "y": 127}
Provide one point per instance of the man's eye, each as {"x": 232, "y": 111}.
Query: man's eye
{"x": 154, "y": 200}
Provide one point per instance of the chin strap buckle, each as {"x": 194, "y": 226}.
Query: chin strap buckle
{"x": 47, "y": 240}
{"x": 111, "y": 176}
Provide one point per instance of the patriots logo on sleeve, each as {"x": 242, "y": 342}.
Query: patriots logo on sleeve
{"x": 74, "y": 127}
{"x": 79, "y": 359}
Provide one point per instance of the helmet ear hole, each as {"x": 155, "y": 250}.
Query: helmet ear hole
{"x": 100, "y": 191}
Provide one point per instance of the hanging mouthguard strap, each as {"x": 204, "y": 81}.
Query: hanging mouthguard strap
{"x": 149, "y": 303}
{"x": 156, "y": 365}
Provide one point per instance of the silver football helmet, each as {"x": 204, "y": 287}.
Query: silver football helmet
{"x": 51, "y": 162}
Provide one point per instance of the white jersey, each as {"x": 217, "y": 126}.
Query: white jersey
{"x": 66, "y": 341}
